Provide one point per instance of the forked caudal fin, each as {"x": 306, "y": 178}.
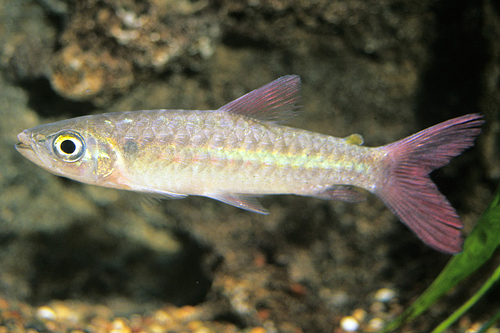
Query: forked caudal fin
{"x": 410, "y": 193}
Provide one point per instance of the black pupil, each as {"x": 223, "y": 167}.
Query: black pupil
{"x": 68, "y": 146}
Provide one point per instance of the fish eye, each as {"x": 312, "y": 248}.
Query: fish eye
{"x": 68, "y": 146}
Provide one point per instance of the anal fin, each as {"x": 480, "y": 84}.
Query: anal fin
{"x": 344, "y": 193}
{"x": 242, "y": 201}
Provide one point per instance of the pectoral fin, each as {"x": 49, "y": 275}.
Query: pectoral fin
{"x": 241, "y": 201}
{"x": 151, "y": 198}
{"x": 153, "y": 193}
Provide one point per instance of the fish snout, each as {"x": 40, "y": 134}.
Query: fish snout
{"x": 24, "y": 140}
{"x": 27, "y": 147}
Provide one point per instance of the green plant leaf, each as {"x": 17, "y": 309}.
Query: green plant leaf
{"x": 478, "y": 248}
{"x": 467, "y": 305}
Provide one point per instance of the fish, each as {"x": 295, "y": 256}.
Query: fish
{"x": 241, "y": 151}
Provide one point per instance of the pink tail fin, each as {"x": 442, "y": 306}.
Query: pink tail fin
{"x": 411, "y": 194}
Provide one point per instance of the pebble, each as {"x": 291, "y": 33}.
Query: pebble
{"x": 162, "y": 317}
{"x": 258, "y": 330}
{"x": 359, "y": 315}
{"x": 119, "y": 325}
{"x": 377, "y": 307}
{"x": 46, "y": 313}
{"x": 385, "y": 295}
{"x": 349, "y": 324}
{"x": 375, "y": 325}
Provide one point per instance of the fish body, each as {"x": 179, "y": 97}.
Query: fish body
{"x": 237, "y": 152}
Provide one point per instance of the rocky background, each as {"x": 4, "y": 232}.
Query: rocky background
{"x": 77, "y": 257}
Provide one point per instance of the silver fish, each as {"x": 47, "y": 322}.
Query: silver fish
{"x": 237, "y": 152}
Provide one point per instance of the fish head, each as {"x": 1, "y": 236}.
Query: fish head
{"x": 67, "y": 148}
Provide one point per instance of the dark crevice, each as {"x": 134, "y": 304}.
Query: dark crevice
{"x": 236, "y": 39}
{"x": 231, "y": 318}
{"x": 47, "y": 103}
{"x": 88, "y": 263}
{"x": 452, "y": 84}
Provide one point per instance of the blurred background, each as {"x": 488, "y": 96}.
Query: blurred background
{"x": 78, "y": 257}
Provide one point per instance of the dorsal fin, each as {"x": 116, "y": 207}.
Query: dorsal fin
{"x": 272, "y": 102}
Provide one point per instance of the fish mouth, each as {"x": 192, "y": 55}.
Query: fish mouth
{"x": 27, "y": 147}
{"x": 22, "y": 145}
{"x": 24, "y": 141}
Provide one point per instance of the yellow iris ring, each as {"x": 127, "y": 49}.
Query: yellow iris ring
{"x": 69, "y": 146}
